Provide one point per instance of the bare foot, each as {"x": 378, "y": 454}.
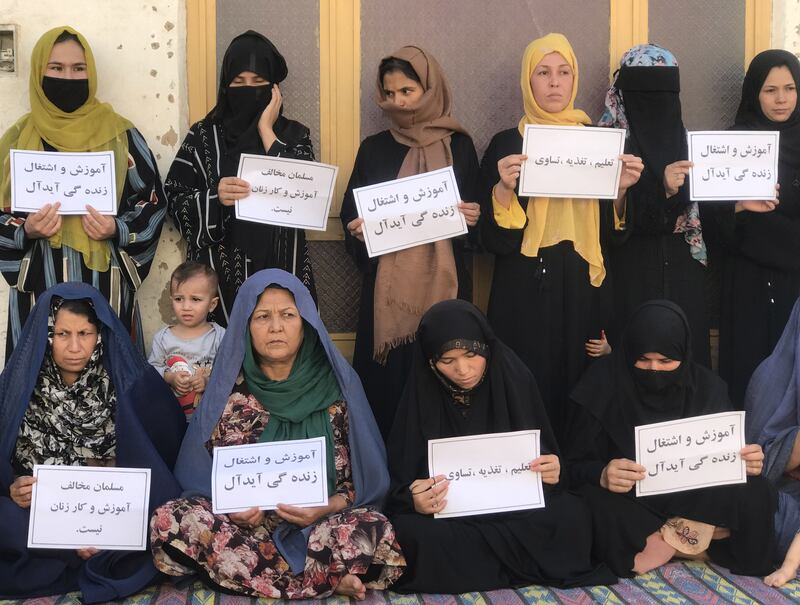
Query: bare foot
{"x": 351, "y": 586}
{"x": 780, "y": 577}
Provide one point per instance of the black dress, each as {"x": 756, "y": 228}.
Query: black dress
{"x": 543, "y": 307}
{"x": 761, "y": 275}
{"x": 610, "y": 401}
{"x": 379, "y": 159}
{"x": 551, "y": 545}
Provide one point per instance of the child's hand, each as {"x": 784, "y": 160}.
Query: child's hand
{"x": 199, "y": 381}
{"x": 597, "y": 347}
{"x": 181, "y": 382}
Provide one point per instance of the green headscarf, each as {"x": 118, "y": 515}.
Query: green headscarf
{"x": 298, "y": 406}
{"x": 94, "y": 126}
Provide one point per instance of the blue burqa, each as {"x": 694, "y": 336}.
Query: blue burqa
{"x": 149, "y": 426}
{"x": 772, "y": 402}
{"x": 367, "y": 453}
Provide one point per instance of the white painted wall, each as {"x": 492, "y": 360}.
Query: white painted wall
{"x": 786, "y": 25}
{"x": 140, "y": 50}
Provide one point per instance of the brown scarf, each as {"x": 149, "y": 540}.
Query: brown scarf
{"x": 410, "y": 281}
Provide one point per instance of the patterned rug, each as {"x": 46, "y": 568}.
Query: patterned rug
{"x": 675, "y": 583}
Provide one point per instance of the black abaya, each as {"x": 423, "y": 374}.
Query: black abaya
{"x": 379, "y": 159}
{"x": 610, "y": 401}
{"x": 544, "y": 308}
{"x": 549, "y": 546}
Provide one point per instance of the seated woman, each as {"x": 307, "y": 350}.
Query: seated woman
{"x": 42, "y": 249}
{"x": 76, "y": 392}
{"x": 651, "y": 377}
{"x": 464, "y": 381}
{"x": 278, "y": 376}
{"x": 202, "y": 184}
{"x": 772, "y": 403}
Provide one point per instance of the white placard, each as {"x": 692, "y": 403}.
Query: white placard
{"x": 89, "y": 506}
{"x": 411, "y": 211}
{"x": 286, "y": 192}
{"x": 73, "y": 179}
{"x": 488, "y": 473}
{"x": 271, "y": 473}
{"x": 691, "y": 453}
{"x": 733, "y": 165}
{"x": 571, "y": 161}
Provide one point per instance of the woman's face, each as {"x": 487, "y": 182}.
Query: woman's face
{"x": 461, "y": 367}
{"x": 68, "y": 61}
{"x": 778, "y": 96}
{"x": 248, "y": 78}
{"x": 551, "y": 83}
{"x": 74, "y": 340}
{"x": 401, "y": 90}
{"x": 657, "y": 362}
{"x": 276, "y": 328}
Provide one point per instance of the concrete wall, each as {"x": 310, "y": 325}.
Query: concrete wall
{"x": 140, "y": 49}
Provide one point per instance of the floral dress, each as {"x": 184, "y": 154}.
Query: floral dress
{"x": 187, "y": 537}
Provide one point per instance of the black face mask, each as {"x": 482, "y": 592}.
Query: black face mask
{"x": 247, "y": 102}
{"x": 68, "y": 95}
{"x": 656, "y": 380}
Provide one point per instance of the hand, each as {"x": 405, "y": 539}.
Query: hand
{"x": 198, "y": 381}
{"x": 85, "y": 553}
{"x": 429, "y": 494}
{"x": 632, "y": 167}
{"x": 181, "y": 382}
{"x": 250, "y": 518}
{"x": 21, "y": 490}
{"x": 44, "y": 223}
{"x": 597, "y": 347}
{"x": 303, "y": 517}
{"x": 550, "y": 467}
{"x": 471, "y": 212}
{"x": 98, "y": 227}
{"x": 620, "y": 475}
{"x": 269, "y": 116}
{"x": 753, "y": 456}
{"x": 509, "y": 168}
{"x": 356, "y": 228}
{"x": 675, "y": 176}
{"x": 232, "y": 188}
{"x": 759, "y": 205}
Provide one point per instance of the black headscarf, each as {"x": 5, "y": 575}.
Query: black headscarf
{"x": 238, "y": 110}
{"x": 749, "y": 115}
{"x": 507, "y": 399}
{"x": 651, "y": 95}
{"x": 621, "y": 396}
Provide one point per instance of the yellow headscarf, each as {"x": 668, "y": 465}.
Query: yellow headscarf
{"x": 92, "y": 127}
{"x": 576, "y": 220}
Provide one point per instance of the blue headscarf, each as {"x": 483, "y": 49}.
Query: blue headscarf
{"x": 149, "y": 426}
{"x": 367, "y": 453}
{"x": 772, "y": 402}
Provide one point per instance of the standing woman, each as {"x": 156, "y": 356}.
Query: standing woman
{"x": 399, "y": 287}
{"x": 202, "y": 185}
{"x": 549, "y": 265}
{"x": 657, "y": 248}
{"x": 761, "y": 279}
{"x": 42, "y": 249}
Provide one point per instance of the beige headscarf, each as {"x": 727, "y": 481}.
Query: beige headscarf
{"x": 412, "y": 280}
{"x": 576, "y": 220}
{"x": 94, "y": 126}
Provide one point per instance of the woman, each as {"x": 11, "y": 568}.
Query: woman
{"x": 465, "y": 381}
{"x": 399, "y": 287}
{"x": 76, "y": 392}
{"x": 652, "y": 377}
{"x": 41, "y": 249}
{"x": 202, "y": 184}
{"x": 772, "y": 403}
{"x": 657, "y": 248}
{"x": 278, "y": 376}
{"x": 761, "y": 278}
{"x": 548, "y": 296}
